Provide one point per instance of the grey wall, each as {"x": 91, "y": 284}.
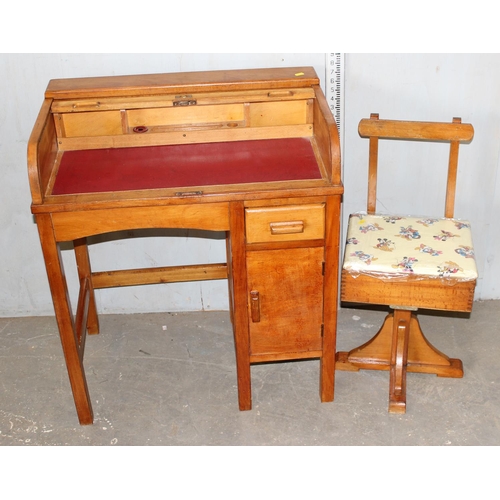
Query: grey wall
{"x": 399, "y": 86}
{"x": 431, "y": 87}
{"x": 23, "y": 283}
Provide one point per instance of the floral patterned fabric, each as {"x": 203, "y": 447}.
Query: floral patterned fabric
{"x": 389, "y": 247}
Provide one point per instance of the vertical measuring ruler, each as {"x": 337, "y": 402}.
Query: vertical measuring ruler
{"x": 334, "y": 83}
{"x": 334, "y": 93}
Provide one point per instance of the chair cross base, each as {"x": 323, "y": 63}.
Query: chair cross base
{"x": 399, "y": 347}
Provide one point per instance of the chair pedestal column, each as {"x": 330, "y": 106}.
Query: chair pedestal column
{"x": 399, "y": 361}
{"x": 400, "y": 347}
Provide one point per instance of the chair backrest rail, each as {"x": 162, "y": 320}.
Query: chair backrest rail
{"x": 394, "y": 129}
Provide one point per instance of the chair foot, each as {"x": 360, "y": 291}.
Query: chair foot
{"x": 423, "y": 357}
{"x": 400, "y": 348}
{"x": 398, "y": 407}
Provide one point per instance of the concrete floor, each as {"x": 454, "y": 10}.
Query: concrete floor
{"x": 170, "y": 379}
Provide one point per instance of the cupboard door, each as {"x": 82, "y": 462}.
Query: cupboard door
{"x": 285, "y": 300}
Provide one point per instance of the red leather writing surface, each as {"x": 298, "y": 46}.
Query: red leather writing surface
{"x": 185, "y": 165}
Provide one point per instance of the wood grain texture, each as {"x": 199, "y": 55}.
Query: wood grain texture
{"x": 69, "y": 226}
{"x": 331, "y": 298}
{"x": 399, "y": 129}
{"x": 79, "y": 105}
{"x": 156, "y": 275}
{"x": 327, "y": 137}
{"x": 285, "y": 223}
{"x": 42, "y": 151}
{"x": 202, "y": 81}
{"x": 290, "y": 286}
{"x": 238, "y": 271}
{"x": 64, "y": 316}
{"x": 445, "y": 295}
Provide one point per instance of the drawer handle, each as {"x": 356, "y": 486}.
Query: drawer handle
{"x": 288, "y": 227}
{"x": 255, "y": 306}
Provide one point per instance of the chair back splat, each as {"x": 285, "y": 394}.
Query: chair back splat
{"x": 454, "y": 133}
{"x": 407, "y": 263}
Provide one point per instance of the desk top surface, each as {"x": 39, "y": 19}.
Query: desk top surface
{"x": 186, "y": 165}
{"x": 196, "y": 81}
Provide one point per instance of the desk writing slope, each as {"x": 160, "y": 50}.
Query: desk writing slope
{"x": 254, "y": 153}
{"x": 186, "y": 165}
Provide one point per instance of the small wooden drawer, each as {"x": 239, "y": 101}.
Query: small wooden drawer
{"x": 285, "y": 223}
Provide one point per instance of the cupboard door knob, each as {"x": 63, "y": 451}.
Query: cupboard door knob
{"x": 255, "y": 306}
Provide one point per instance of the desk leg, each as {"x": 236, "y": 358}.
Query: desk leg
{"x": 64, "y": 317}
{"x": 84, "y": 271}
{"x": 237, "y": 275}
{"x": 330, "y": 301}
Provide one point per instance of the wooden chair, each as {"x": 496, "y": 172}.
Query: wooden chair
{"x": 407, "y": 263}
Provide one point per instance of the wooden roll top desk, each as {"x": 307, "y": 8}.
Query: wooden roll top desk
{"x": 253, "y": 153}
